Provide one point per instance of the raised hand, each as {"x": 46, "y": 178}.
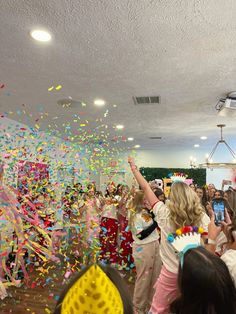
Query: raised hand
{"x": 131, "y": 160}
{"x": 213, "y": 230}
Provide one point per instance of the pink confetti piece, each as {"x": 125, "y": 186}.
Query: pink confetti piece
{"x": 67, "y": 274}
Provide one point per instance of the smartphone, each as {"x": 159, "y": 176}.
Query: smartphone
{"x": 218, "y": 205}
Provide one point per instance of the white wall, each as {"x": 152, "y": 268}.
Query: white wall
{"x": 172, "y": 159}
{"x": 17, "y": 144}
{"x": 180, "y": 159}
{"x": 217, "y": 175}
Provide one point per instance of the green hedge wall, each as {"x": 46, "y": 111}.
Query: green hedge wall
{"x": 198, "y": 175}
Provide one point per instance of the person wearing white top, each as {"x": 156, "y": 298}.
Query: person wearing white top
{"x": 229, "y": 228}
{"x": 162, "y": 215}
{"x": 145, "y": 253}
{"x": 184, "y": 209}
{"x": 229, "y": 257}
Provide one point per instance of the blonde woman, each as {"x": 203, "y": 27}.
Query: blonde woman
{"x": 146, "y": 253}
{"x": 184, "y": 209}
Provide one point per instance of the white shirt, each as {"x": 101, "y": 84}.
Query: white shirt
{"x": 162, "y": 216}
{"x": 141, "y": 222}
{"x": 110, "y": 211}
{"x": 229, "y": 257}
{"x": 118, "y": 198}
{"x": 220, "y": 240}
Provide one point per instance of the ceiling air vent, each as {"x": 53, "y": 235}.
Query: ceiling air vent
{"x": 155, "y": 137}
{"x": 145, "y": 100}
{"x": 69, "y": 103}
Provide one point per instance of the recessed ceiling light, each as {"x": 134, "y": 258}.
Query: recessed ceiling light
{"x": 136, "y": 146}
{"x": 114, "y": 106}
{"x": 119, "y": 127}
{"x": 196, "y": 145}
{"x": 130, "y": 138}
{"x": 99, "y": 102}
{"x": 203, "y": 138}
{"x": 41, "y": 35}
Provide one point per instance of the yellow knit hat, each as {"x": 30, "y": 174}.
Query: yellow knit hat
{"x": 93, "y": 293}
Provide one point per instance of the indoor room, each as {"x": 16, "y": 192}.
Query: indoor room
{"x": 118, "y": 157}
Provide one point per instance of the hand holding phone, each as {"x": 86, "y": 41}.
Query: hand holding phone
{"x": 218, "y": 206}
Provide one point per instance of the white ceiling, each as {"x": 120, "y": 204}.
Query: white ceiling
{"x": 184, "y": 51}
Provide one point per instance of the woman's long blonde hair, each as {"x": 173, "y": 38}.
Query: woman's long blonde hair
{"x": 136, "y": 206}
{"x": 185, "y": 207}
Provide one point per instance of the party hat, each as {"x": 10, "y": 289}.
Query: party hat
{"x": 93, "y": 293}
{"x": 184, "y": 239}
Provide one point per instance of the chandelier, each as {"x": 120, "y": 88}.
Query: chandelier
{"x": 193, "y": 162}
{"x": 210, "y": 164}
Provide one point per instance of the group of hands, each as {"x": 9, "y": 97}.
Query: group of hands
{"x": 213, "y": 229}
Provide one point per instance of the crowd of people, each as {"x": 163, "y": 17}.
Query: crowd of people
{"x": 197, "y": 279}
{"x": 133, "y": 229}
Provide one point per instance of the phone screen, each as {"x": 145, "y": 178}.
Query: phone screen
{"x": 219, "y": 210}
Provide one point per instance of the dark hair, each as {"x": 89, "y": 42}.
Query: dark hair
{"x": 221, "y": 192}
{"x": 91, "y": 186}
{"x": 232, "y": 200}
{"x": 158, "y": 192}
{"x": 230, "y": 229}
{"x": 229, "y": 209}
{"x": 114, "y": 276}
{"x": 110, "y": 193}
{"x": 99, "y": 193}
{"x": 68, "y": 189}
{"x": 205, "y": 284}
{"x": 119, "y": 189}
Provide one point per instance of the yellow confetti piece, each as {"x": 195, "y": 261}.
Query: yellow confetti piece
{"x": 47, "y": 310}
{"x": 82, "y": 124}
{"x": 58, "y": 87}
{"x": 50, "y": 88}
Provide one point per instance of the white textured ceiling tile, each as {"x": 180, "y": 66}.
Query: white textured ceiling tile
{"x": 183, "y": 51}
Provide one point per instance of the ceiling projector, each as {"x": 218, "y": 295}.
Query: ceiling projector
{"x": 226, "y": 107}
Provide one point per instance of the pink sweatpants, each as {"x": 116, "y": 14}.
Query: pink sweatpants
{"x": 166, "y": 292}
